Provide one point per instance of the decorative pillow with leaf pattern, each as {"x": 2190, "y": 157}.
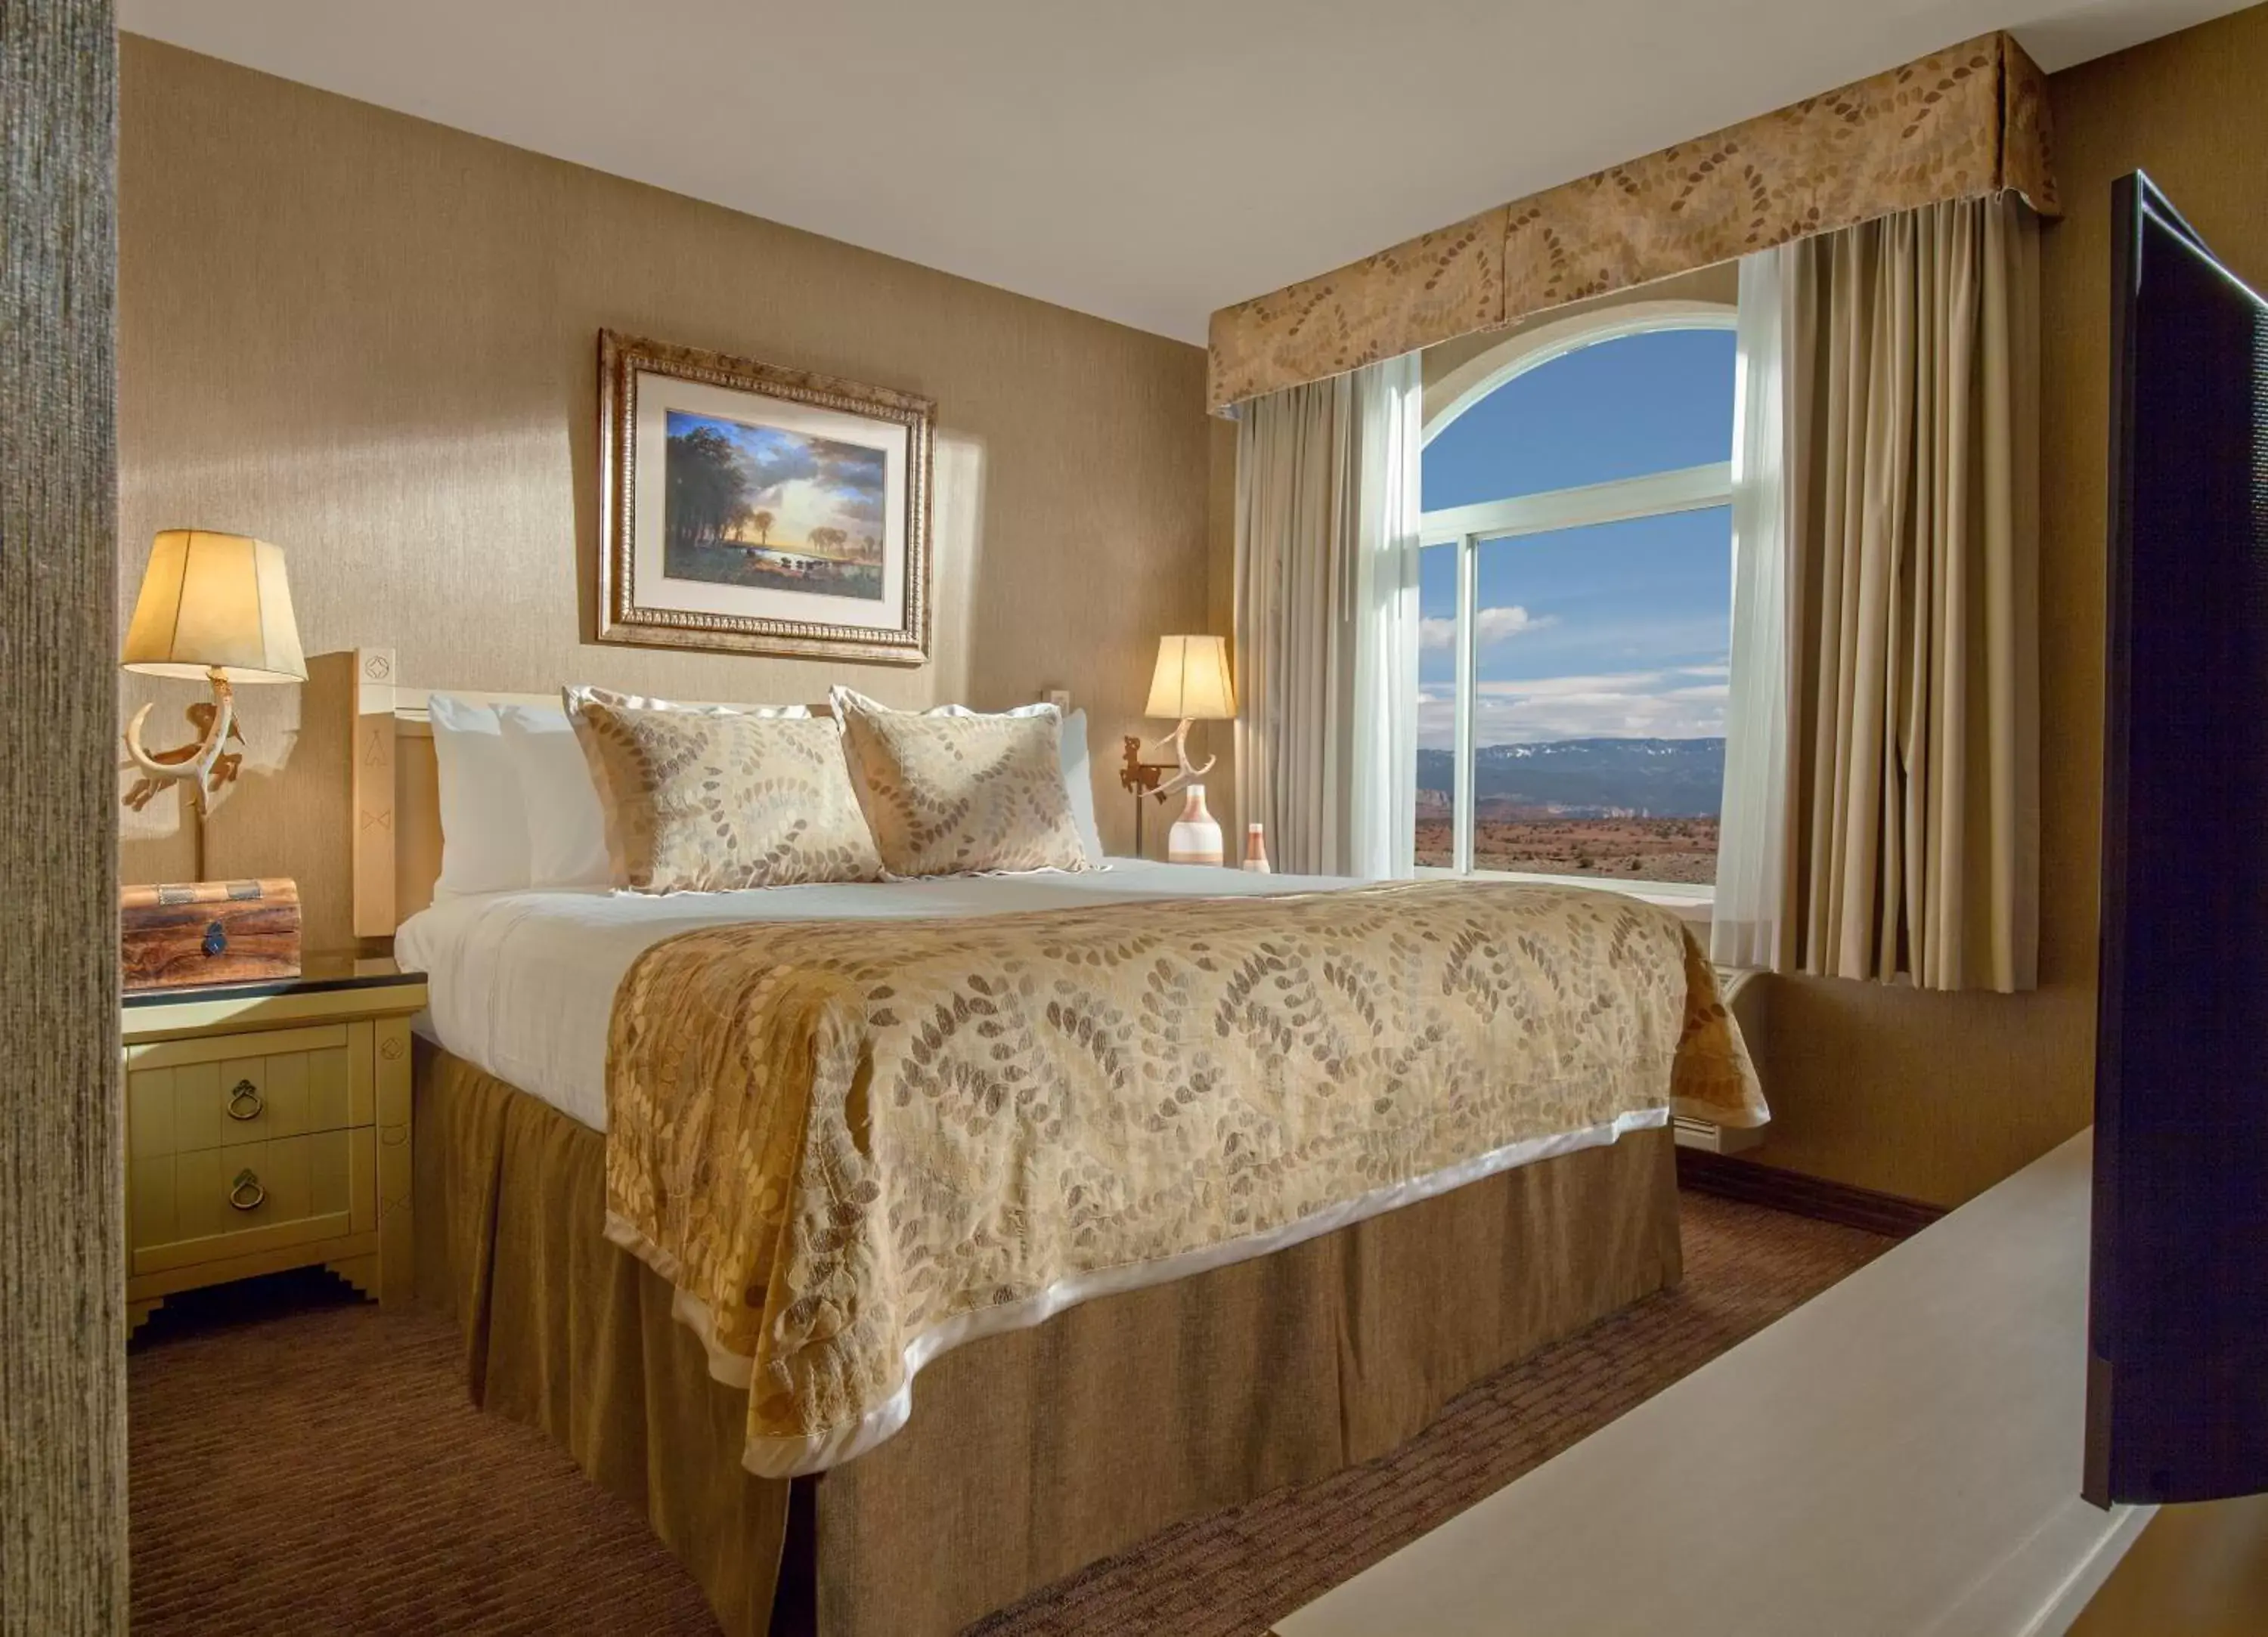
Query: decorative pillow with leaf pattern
{"x": 961, "y": 795}
{"x": 712, "y": 801}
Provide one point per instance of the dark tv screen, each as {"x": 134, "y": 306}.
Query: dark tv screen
{"x": 2177, "y": 1386}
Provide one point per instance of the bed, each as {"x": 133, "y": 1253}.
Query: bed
{"x": 1007, "y": 1441}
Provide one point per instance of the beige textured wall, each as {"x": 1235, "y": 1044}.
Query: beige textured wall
{"x": 2198, "y": 1570}
{"x": 1937, "y": 1096}
{"x": 373, "y": 340}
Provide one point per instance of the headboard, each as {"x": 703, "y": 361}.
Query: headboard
{"x": 397, "y": 790}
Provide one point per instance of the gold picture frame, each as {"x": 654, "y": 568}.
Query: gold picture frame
{"x": 734, "y": 453}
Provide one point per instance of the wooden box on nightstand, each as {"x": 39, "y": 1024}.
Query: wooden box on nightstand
{"x": 267, "y": 1127}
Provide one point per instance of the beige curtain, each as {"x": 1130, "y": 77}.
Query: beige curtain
{"x": 1326, "y": 508}
{"x": 1913, "y": 409}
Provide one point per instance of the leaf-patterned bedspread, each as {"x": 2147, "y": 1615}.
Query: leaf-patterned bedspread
{"x": 852, "y": 1145}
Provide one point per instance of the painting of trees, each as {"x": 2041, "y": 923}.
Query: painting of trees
{"x": 708, "y": 491}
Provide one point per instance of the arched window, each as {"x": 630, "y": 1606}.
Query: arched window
{"x": 1575, "y": 590}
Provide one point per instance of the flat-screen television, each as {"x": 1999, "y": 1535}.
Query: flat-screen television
{"x": 2177, "y": 1383}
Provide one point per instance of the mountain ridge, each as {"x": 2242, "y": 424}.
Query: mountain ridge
{"x": 1585, "y": 778}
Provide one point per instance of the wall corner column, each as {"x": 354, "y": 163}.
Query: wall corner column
{"x": 63, "y": 1336}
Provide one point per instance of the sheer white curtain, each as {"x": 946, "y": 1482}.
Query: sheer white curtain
{"x": 1383, "y": 817}
{"x": 1327, "y": 506}
{"x": 1750, "y": 924}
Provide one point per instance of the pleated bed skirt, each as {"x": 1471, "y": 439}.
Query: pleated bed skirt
{"x": 1030, "y": 1454}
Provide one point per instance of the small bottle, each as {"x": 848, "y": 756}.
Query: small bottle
{"x": 1255, "y": 850}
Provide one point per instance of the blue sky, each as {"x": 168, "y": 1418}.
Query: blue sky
{"x": 1618, "y": 630}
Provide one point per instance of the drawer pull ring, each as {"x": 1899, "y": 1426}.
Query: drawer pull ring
{"x": 245, "y": 1101}
{"x": 247, "y": 1195}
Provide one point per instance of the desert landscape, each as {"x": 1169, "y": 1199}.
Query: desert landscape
{"x": 1637, "y": 849}
{"x": 1641, "y": 809}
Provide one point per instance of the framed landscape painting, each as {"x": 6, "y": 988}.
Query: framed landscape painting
{"x": 760, "y": 510}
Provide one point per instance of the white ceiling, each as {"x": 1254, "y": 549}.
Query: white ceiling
{"x": 1145, "y": 160}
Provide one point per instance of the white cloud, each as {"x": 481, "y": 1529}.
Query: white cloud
{"x": 1675, "y": 703}
{"x": 1571, "y": 687}
{"x": 1492, "y": 624}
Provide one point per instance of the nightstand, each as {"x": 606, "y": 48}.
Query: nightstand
{"x": 267, "y": 1127}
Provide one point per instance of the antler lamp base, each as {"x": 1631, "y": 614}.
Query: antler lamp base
{"x": 204, "y": 765}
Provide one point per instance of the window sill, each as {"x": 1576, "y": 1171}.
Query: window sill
{"x": 1689, "y": 901}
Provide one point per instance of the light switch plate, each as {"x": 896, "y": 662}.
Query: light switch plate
{"x": 1060, "y": 698}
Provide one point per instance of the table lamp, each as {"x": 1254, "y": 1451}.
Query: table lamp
{"x": 215, "y": 608}
{"x": 1191, "y": 683}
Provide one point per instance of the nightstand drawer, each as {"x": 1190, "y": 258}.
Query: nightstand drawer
{"x": 244, "y": 1198}
{"x": 184, "y": 1096}
{"x": 267, "y": 1127}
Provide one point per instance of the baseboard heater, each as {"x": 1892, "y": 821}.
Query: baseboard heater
{"x": 1712, "y": 1138}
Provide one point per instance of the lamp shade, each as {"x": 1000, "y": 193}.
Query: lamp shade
{"x": 1191, "y": 682}
{"x": 215, "y": 602}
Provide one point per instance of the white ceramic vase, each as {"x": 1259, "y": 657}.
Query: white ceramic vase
{"x": 1195, "y": 838}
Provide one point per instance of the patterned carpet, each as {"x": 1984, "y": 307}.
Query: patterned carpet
{"x": 302, "y": 1463}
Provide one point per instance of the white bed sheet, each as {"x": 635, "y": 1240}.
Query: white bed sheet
{"x": 522, "y": 984}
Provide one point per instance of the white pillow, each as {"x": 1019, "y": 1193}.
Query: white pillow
{"x": 562, "y": 831}
{"x": 1078, "y": 776}
{"x": 483, "y": 817}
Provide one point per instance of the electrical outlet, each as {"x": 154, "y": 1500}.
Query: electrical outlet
{"x": 1060, "y": 698}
